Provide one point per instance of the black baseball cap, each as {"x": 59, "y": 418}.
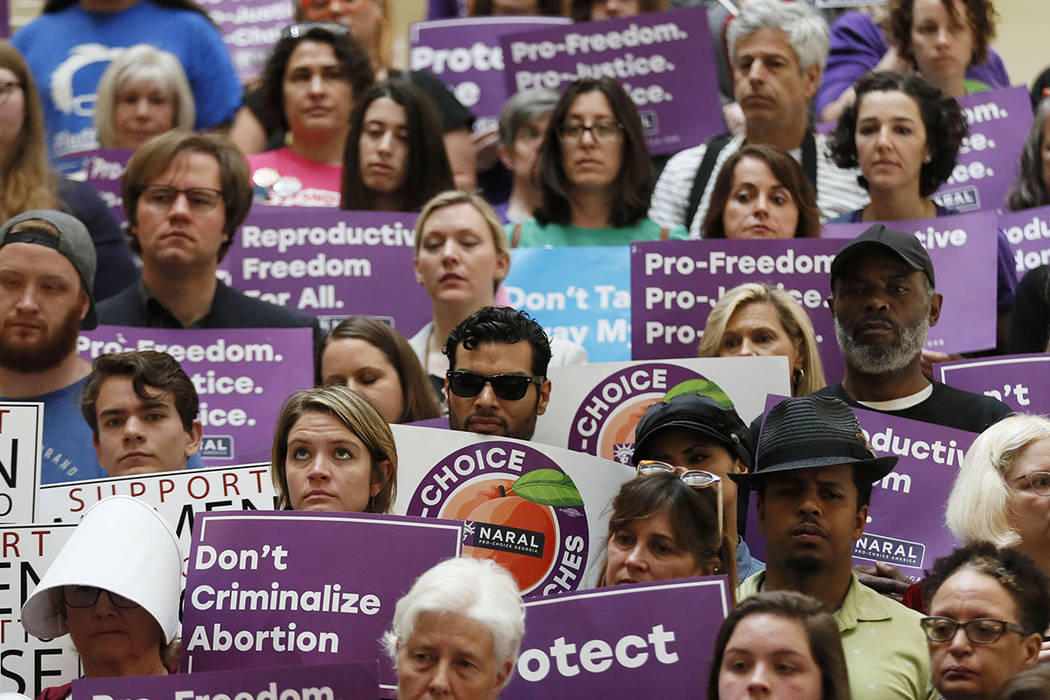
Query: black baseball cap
{"x": 904, "y": 245}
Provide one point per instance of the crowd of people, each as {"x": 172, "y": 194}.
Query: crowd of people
{"x": 332, "y": 123}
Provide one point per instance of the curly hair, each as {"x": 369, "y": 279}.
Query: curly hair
{"x": 503, "y": 325}
{"x": 785, "y": 169}
{"x": 633, "y": 186}
{"x": 352, "y": 58}
{"x": 945, "y": 123}
{"x": 1029, "y": 190}
{"x": 980, "y": 15}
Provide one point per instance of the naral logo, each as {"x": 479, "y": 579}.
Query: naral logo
{"x": 604, "y": 422}
{"x": 522, "y": 511}
{"x": 963, "y": 199}
{"x": 889, "y": 550}
{"x": 217, "y": 447}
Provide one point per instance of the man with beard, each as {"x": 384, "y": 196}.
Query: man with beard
{"x": 497, "y": 379}
{"x": 883, "y": 303}
{"x": 47, "y": 272}
{"x": 777, "y": 52}
{"x": 813, "y": 476}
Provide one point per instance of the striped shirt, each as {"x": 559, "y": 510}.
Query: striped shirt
{"x": 837, "y": 189}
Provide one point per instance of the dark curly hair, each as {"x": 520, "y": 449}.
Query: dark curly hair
{"x": 980, "y": 15}
{"x": 633, "y": 186}
{"x": 503, "y": 325}
{"x": 352, "y": 59}
{"x": 1016, "y": 572}
{"x": 943, "y": 118}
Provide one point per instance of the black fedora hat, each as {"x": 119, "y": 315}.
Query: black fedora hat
{"x": 812, "y": 432}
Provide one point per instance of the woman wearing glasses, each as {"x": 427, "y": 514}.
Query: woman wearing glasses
{"x": 333, "y": 451}
{"x": 695, "y": 426}
{"x": 461, "y": 259}
{"x": 114, "y": 588}
{"x": 312, "y": 78}
{"x": 595, "y": 175}
{"x": 988, "y": 610}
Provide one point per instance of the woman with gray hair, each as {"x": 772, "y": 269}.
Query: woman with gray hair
{"x": 460, "y": 608}
{"x": 522, "y": 127}
{"x": 1002, "y": 492}
{"x": 144, "y": 92}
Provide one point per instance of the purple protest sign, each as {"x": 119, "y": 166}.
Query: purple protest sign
{"x": 102, "y": 169}
{"x": 274, "y": 589}
{"x": 467, "y": 55}
{"x": 664, "y": 61}
{"x": 1028, "y": 233}
{"x": 330, "y": 263}
{"x": 637, "y": 641}
{"x": 241, "y": 375}
{"x": 905, "y": 525}
{"x": 1022, "y": 382}
{"x": 674, "y": 284}
{"x": 352, "y": 679}
{"x": 987, "y": 163}
{"x": 250, "y": 28}
{"x": 963, "y": 249}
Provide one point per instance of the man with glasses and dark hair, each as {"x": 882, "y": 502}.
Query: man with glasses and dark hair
{"x": 989, "y": 608}
{"x": 184, "y": 195}
{"x": 813, "y": 478}
{"x": 497, "y": 379}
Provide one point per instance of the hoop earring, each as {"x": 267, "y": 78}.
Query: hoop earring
{"x": 796, "y": 378}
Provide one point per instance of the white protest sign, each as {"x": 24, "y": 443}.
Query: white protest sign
{"x": 21, "y": 429}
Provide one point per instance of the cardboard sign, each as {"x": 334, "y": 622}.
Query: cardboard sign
{"x": 1022, "y": 382}
{"x": 241, "y": 375}
{"x": 539, "y": 511}
{"x": 987, "y": 164}
{"x": 27, "y": 664}
{"x": 466, "y": 54}
{"x": 594, "y": 408}
{"x": 353, "y": 679}
{"x": 905, "y": 524}
{"x": 578, "y": 294}
{"x": 21, "y": 428}
{"x": 955, "y": 243}
{"x": 250, "y": 28}
{"x": 331, "y": 263}
{"x": 637, "y": 641}
{"x": 664, "y": 61}
{"x": 1028, "y": 233}
{"x": 277, "y": 589}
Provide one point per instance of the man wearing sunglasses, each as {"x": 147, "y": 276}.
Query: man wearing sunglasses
{"x": 185, "y": 195}
{"x": 497, "y": 379}
{"x": 813, "y": 478}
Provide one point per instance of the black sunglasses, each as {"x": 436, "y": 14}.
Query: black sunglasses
{"x": 511, "y": 387}
{"x": 297, "y": 31}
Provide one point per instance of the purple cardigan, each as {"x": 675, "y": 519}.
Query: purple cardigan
{"x": 857, "y": 45}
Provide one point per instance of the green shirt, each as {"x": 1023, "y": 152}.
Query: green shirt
{"x": 886, "y": 652}
{"x": 556, "y": 235}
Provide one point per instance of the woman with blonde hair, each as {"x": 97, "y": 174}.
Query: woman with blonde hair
{"x": 760, "y": 319}
{"x": 333, "y": 451}
{"x": 144, "y": 92}
{"x": 26, "y": 181}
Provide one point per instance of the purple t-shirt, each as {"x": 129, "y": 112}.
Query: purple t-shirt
{"x": 857, "y": 45}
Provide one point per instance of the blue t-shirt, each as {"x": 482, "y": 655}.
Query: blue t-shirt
{"x": 67, "y": 52}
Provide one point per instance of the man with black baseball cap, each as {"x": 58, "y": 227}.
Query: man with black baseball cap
{"x": 883, "y": 301}
{"x": 813, "y": 476}
{"x": 47, "y": 272}
{"x": 696, "y": 426}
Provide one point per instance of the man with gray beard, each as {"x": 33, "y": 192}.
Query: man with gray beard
{"x": 883, "y": 302}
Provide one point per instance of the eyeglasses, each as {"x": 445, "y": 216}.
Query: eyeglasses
{"x": 1038, "y": 481}
{"x": 604, "y": 132}
{"x": 297, "y": 31}
{"x": 510, "y": 387}
{"x": 87, "y": 596}
{"x": 696, "y": 478}
{"x": 980, "y": 630}
{"x": 7, "y": 87}
{"x": 202, "y": 200}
